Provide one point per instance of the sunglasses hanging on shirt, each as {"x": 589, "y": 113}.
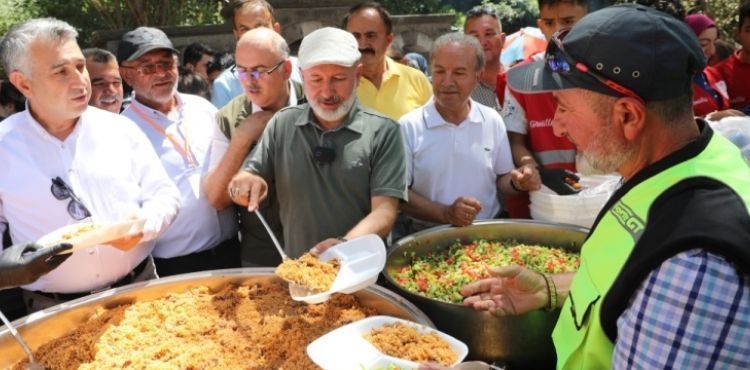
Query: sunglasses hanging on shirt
{"x": 61, "y": 191}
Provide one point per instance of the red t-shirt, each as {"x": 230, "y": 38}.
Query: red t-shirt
{"x": 502, "y": 81}
{"x": 735, "y": 74}
{"x": 707, "y": 95}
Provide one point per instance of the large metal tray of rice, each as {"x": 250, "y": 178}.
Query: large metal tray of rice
{"x": 223, "y": 319}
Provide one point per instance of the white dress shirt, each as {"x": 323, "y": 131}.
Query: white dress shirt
{"x": 109, "y": 165}
{"x": 199, "y": 226}
{"x": 220, "y": 141}
{"x": 445, "y": 161}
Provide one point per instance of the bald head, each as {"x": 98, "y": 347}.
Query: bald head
{"x": 262, "y": 59}
{"x": 263, "y": 39}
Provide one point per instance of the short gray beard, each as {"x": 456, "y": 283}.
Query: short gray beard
{"x": 609, "y": 152}
{"x": 336, "y": 114}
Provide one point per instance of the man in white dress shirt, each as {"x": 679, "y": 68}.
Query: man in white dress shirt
{"x": 179, "y": 127}
{"x": 457, "y": 150}
{"x": 64, "y": 162}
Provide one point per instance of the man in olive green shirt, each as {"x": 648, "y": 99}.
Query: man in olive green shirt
{"x": 338, "y": 169}
{"x": 264, "y": 68}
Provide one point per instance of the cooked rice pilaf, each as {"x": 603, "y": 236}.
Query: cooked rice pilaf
{"x": 255, "y": 327}
{"x": 406, "y": 342}
{"x": 310, "y": 272}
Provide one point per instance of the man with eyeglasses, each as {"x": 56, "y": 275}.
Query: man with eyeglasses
{"x": 179, "y": 127}
{"x": 664, "y": 279}
{"x": 244, "y": 15}
{"x": 338, "y": 169}
{"x": 65, "y": 162}
{"x": 262, "y": 58}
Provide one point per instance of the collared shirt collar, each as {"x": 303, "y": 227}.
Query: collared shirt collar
{"x": 42, "y": 132}
{"x": 356, "y": 125}
{"x": 292, "y": 99}
{"x": 432, "y": 117}
{"x": 157, "y": 113}
{"x": 390, "y": 69}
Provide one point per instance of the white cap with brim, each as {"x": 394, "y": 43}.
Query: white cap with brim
{"x": 328, "y": 45}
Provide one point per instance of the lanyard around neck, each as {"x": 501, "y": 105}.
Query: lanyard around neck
{"x": 184, "y": 150}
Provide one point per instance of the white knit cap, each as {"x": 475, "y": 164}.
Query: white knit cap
{"x": 328, "y": 45}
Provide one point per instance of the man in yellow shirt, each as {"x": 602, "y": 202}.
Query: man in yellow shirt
{"x": 386, "y": 86}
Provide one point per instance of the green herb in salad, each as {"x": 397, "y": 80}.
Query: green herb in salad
{"x": 441, "y": 275}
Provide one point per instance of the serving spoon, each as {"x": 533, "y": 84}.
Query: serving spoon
{"x": 284, "y": 257}
{"x": 32, "y": 365}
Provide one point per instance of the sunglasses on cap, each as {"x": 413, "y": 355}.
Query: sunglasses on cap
{"x": 559, "y": 61}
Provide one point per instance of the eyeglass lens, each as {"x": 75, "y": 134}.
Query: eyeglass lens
{"x": 257, "y": 73}
{"x": 61, "y": 191}
{"x": 152, "y": 68}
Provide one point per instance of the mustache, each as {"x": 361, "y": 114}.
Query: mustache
{"x": 330, "y": 100}
{"x": 367, "y": 50}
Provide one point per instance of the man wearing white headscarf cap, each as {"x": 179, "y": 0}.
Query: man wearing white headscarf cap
{"x": 338, "y": 169}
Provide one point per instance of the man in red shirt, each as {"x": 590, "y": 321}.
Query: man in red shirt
{"x": 528, "y": 117}
{"x": 734, "y": 71}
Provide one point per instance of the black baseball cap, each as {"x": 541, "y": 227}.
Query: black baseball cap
{"x": 647, "y": 51}
{"x": 140, "y": 41}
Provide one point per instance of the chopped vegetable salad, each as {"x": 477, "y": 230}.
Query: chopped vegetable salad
{"x": 441, "y": 275}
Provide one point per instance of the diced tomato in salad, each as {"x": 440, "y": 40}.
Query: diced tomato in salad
{"x": 441, "y": 275}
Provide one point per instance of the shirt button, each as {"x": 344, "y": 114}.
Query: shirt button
{"x": 98, "y": 276}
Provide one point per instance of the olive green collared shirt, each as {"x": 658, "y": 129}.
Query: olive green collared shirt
{"x": 325, "y": 200}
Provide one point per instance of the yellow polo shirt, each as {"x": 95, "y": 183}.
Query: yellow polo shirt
{"x": 403, "y": 89}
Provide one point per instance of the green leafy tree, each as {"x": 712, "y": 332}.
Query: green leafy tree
{"x": 516, "y": 14}
{"x": 723, "y": 12}
{"x": 92, "y": 15}
{"x": 415, "y": 6}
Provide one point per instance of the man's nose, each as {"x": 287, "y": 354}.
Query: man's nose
{"x": 558, "y": 127}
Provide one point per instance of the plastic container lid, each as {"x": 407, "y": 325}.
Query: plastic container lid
{"x": 361, "y": 259}
{"x": 346, "y": 348}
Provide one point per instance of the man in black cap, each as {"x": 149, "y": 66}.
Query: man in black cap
{"x": 179, "y": 127}
{"x": 664, "y": 277}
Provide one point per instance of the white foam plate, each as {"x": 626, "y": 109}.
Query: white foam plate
{"x": 103, "y": 234}
{"x": 346, "y": 348}
{"x": 361, "y": 259}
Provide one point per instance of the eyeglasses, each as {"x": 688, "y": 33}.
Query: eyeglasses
{"x": 151, "y": 68}
{"x": 559, "y": 61}
{"x": 256, "y": 74}
{"x": 61, "y": 191}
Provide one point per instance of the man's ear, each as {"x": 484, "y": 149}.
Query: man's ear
{"x": 21, "y": 82}
{"x": 389, "y": 38}
{"x": 630, "y": 114}
{"x": 277, "y": 27}
{"x": 287, "y": 68}
{"x": 125, "y": 74}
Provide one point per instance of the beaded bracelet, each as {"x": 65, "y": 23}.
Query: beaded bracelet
{"x": 551, "y": 292}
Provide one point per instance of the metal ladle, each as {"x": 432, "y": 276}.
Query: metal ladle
{"x": 32, "y": 365}
{"x": 284, "y": 257}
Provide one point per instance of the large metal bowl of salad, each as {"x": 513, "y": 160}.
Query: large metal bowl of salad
{"x": 430, "y": 267}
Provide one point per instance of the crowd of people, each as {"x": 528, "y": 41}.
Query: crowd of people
{"x": 347, "y": 138}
